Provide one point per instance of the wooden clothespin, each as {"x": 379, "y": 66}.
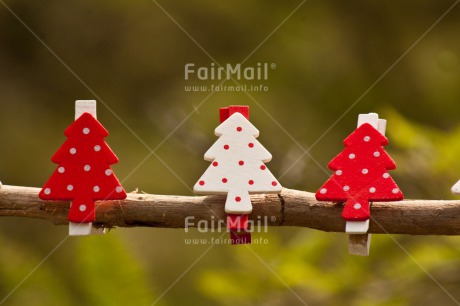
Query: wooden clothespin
{"x": 361, "y": 177}
{"x": 84, "y": 174}
{"x": 237, "y": 169}
{"x": 237, "y": 224}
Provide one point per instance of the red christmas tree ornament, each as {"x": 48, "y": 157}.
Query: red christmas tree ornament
{"x": 361, "y": 174}
{"x": 83, "y": 174}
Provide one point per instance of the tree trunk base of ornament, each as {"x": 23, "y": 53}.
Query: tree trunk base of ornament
{"x": 84, "y": 229}
{"x": 359, "y": 244}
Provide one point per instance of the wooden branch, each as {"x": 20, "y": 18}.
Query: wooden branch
{"x": 290, "y": 208}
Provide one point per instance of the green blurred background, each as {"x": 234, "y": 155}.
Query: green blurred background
{"x": 130, "y": 56}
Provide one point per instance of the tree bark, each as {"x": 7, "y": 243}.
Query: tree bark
{"x": 290, "y": 208}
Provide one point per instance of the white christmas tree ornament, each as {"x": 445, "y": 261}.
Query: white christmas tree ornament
{"x": 456, "y": 188}
{"x": 237, "y": 166}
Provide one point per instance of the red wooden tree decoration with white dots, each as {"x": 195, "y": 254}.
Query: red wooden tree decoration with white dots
{"x": 361, "y": 174}
{"x": 84, "y": 174}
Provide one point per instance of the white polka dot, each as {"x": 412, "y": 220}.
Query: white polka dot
{"x": 97, "y": 148}
{"x": 365, "y": 171}
{"x": 376, "y": 153}
{"x": 352, "y": 156}
{"x": 86, "y": 131}
{"x": 96, "y": 189}
{"x": 119, "y": 189}
{"x": 372, "y": 190}
{"x": 346, "y": 188}
{"x": 323, "y": 191}
{"x": 73, "y": 151}
{"x": 367, "y": 138}
{"x": 395, "y": 190}
{"x": 386, "y": 175}
{"x": 69, "y": 187}
{"x": 339, "y": 172}
{"x": 357, "y": 206}
{"x": 61, "y": 169}
{"x": 47, "y": 191}
{"x": 108, "y": 172}
{"x": 87, "y": 168}
{"x": 82, "y": 207}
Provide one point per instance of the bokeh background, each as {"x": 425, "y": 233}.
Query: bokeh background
{"x": 334, "y": 60}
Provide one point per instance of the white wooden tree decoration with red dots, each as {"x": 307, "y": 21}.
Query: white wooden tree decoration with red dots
{"x": 237, "y": 166}
{"x": 456, "y": 188}
{"x": 361, "y": 176}
{"x": 84, "y": 174}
